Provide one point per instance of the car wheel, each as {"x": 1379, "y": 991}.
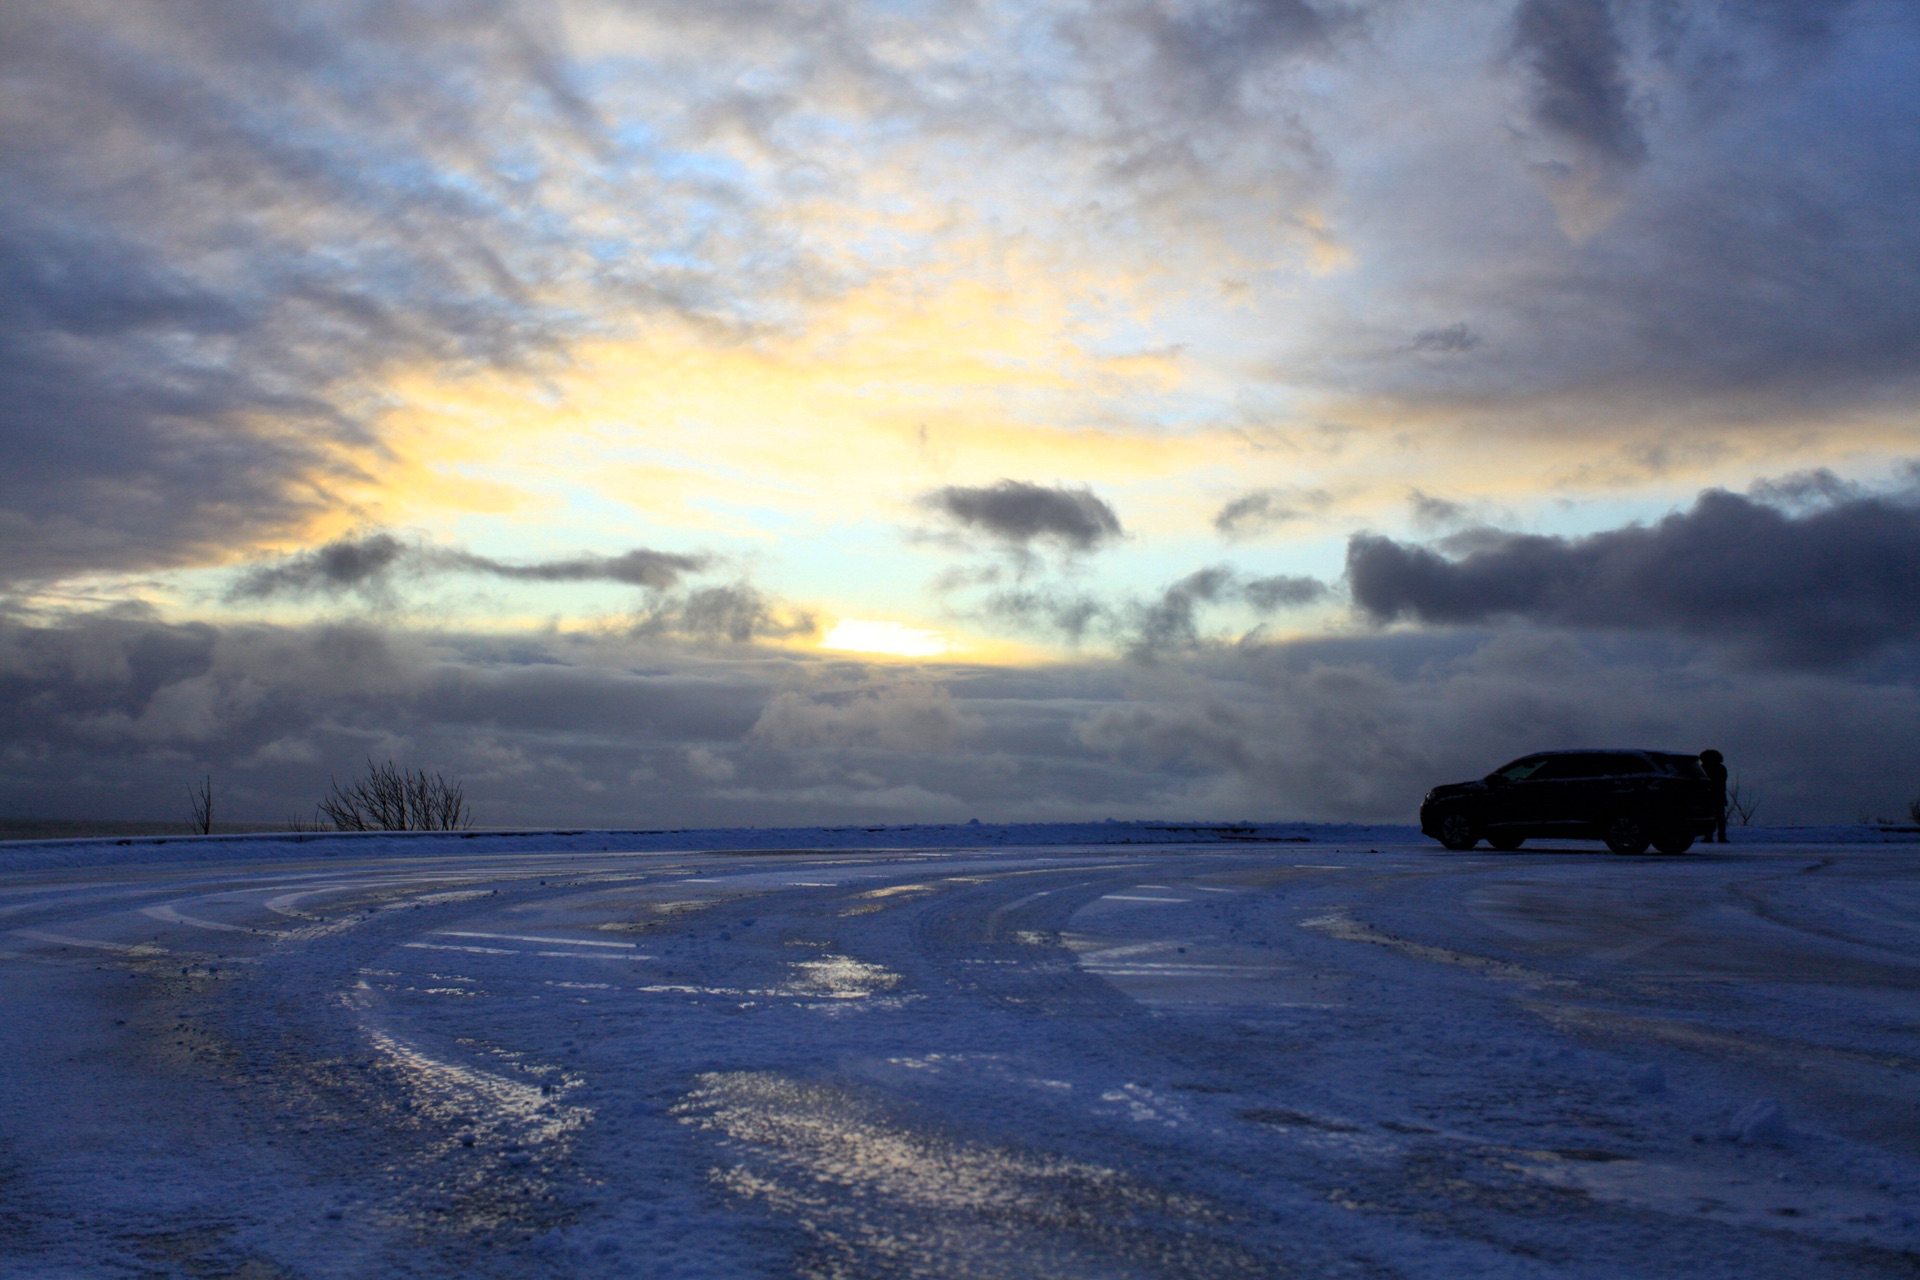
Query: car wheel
{"x": 1506, "y": 843}
{"x": 1458, "y": 832}
{"x": 1673, "y": 842}
{"x": 1626, "y": 835}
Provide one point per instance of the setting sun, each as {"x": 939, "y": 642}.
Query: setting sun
{"x": 862, "y": 635}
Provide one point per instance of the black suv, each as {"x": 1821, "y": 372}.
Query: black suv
{"x": 1629, "y": 799}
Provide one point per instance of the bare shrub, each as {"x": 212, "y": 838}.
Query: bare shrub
{"x": 200, "y": 796}
{"x": 390, "y": 798}
{"x": 1742, "y": 802}
{"x": 1913, "y": 810}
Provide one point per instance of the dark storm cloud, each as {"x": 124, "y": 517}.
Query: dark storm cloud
{"x": 114, "y": 452}
{"x": 1020, "y": 513}
{"x": 1829, "y": 586}
{"x": 1364, "y": 725}
{"x": 1816, "y": 488}
{"x": 108, "y": 716}
{"x": 369, "y": 562}
{"x": 1572, "y": 52}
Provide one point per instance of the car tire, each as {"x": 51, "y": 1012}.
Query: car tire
{"x": 1506, "y": 843}
{"x": 1624, "y": 834}
{"x": 1458, "y": 832}
{"x": 1673, "y": 842}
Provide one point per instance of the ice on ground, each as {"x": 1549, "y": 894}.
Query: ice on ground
{"x": 572, "y": 1056}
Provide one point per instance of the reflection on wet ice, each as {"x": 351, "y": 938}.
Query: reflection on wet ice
{"x": 495, "y": 1105}
{"x": 841, "y": 978}
{"x": 883, "y": 1195}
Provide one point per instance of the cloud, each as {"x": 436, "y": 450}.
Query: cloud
{"x": 1816, "y": 488}
{"x": 1169, "y": 622}
{"x": 1021, "y": 514}
{"x": 344, "y": 564}
{"x": 906, "y": 717}
{"x": 1826, "y": 587}
{"x": 1073, "y": 615}
{"x": 1201, "y": 53}
{"x": 228, "y": 225}
{"x": 1430, "y": 512}
{"x": 107, "y": 716}
{"x": 640, "y": 567}
{"x": 737, "y": 613}
{"x": 1283, "y": 591}
{"x": 367, "y": 563}
{"x": 1448, "y": 340}
{"x": 1259, "y": 510}
{"x": 1364, "y": 725}
{"x": 222, "y": 222}
{"x": 201, "y": 324}
{"x": 1704, "y": 156}
{"x": 1579, "y": 90}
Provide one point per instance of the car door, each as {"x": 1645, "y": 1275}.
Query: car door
{"x": 1511, "y": 797}
{"x": 1625, "y": 782}
{"x": 1559, "y": 795}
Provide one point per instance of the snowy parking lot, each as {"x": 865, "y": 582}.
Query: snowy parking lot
{"x": 1321, "y": 1058}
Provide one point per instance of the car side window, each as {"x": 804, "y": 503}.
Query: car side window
{"x": 1521, "y": 770}
{"x": 1621, "y": 764}
{"x": 1567, "y": 766}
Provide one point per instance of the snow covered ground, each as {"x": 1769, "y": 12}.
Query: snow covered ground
{"x": 1212, "y": 1052}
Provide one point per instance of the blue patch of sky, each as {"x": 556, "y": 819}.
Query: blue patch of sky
{"x": 638, "y": 142}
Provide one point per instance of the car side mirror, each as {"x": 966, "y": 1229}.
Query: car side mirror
{"x": 1498, "y": 780}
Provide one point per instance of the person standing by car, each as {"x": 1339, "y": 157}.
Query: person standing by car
{"x": 1715, "y": 766}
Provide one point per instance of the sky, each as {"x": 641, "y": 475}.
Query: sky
{"x": 740, "y": 412}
